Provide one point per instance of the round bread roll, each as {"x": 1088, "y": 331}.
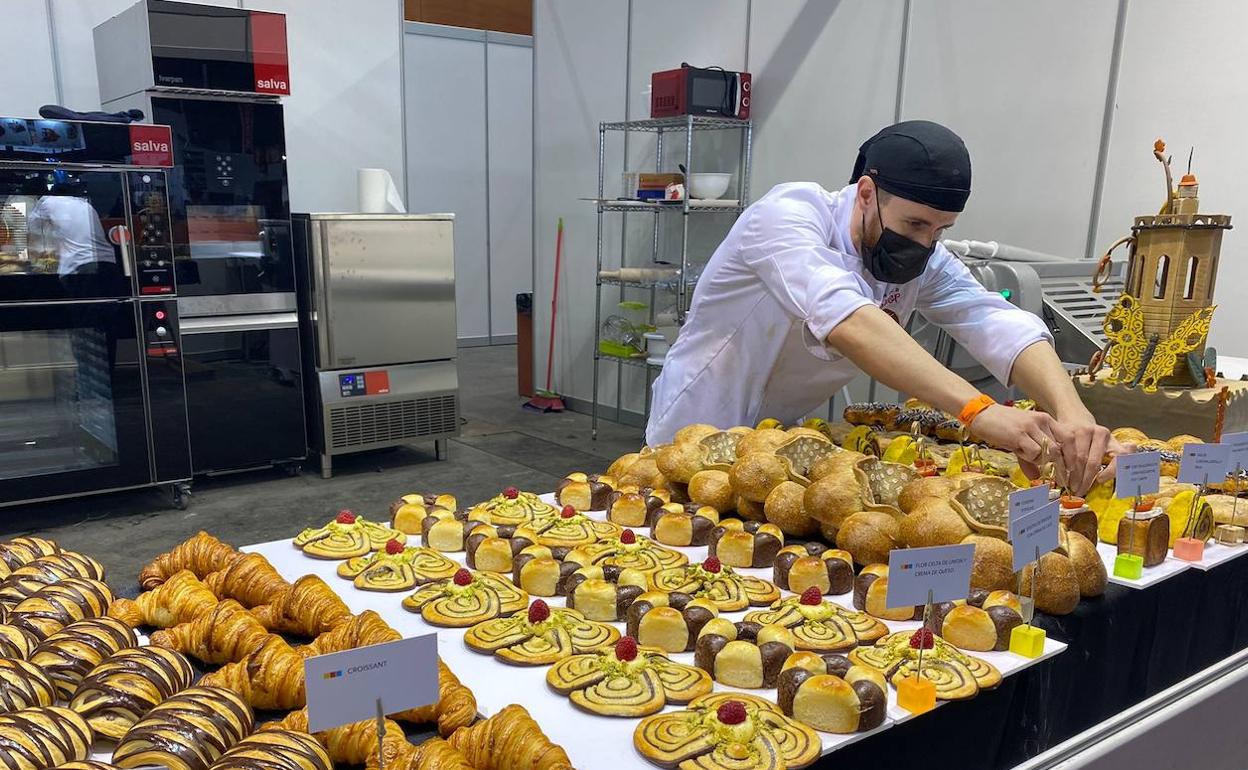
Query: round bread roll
{"x": 922, "y": 489}
{"x": 832, "y": 498}
{"x": 932, "y": 521}
{"x": 869, "y": 536}
{"x": 785, "y": 507}
{"x": 644, "y": 473}
{"x": 679, "y": 461}
{"x": 714, "y": 488}
{"x": 1089, "y": 568}
{"x": 766, "y": 441}
{"x": 622, "y": 463}
{"x": 969, "y": 628}
{"x": 754, "y": 476}
{"x": 1176, "y": 443}
{"x": 750, "y": 510}
{"x": 1129, "y": 435}
{"x": 1057, "y": 590}
{"x": 694, "y": 433}
{"x": 993, "y": 565}
{"x": 836, "y": 463}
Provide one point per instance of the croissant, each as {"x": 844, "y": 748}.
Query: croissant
{"x": 308, "y": 607}
{"x": 180, "y": 599}
{"x": 23, "y": 550}
{"x": 509, "y": 740}
{"x": 250, "y": 579}
{"x": 26, "y": 580}
{"x": 276, "y": 750}
{"x": 226, "y": 633}
{"x": 456, "y": 705}
{"x": 202, "y": 554}
{"x": 40, "y": 738}
{"x": 350, "y": 744}
{"x": 71, "y": 653}
{"x": 59, "y": 604}
{"x": 269, "y": 679}
{"x": 437, "y": 754}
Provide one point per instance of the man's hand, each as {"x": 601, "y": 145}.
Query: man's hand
{"x": 1034, "y": 436}
{"x": 1082, "y": 456}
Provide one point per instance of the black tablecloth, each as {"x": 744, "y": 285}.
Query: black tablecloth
{"x": 1123, "y": 647}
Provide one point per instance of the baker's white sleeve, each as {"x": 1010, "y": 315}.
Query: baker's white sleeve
{"x": 985, "y": 323}
{"x": 784, "y": 243}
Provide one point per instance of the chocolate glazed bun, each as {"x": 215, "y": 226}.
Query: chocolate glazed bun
{"x": 830, "y": 694}
{"x": 746, "y": 544}
{"x": 871, "y": 592}
{"x": 798, "y": 567}
{"x": 670, "y": 622}
{"x": 743, "y": 654}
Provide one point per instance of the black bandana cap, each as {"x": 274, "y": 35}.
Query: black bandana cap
{"x": 920, "y": 161}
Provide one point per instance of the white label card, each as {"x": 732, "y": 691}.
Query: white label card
{"x": 1137, "y": 474}
{"x": 1238, "y": 442}
{"x": 944, "y": 570}
{"x": 1025, "y": 501}
{"x": 1034, "y": 532}
{"x": 1203, "y": 463}
{"x": 344, "y": 687}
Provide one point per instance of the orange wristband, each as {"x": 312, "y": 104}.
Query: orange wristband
{"x": 974, "y": 407}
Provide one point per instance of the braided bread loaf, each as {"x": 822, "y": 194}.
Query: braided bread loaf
{"x": 26, "y": 580}
{"x": 128, "y": 684}
{"x": 189, "y": 731}
{"x": 41, "y": 738}
{"x": 276, "y": 750}
{"x": 71, "y": 653}
{"x": 23, "y": 685}
{"x": 59, "y": 604}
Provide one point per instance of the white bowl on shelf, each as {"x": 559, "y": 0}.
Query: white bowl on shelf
{"x": 708, "y": 186}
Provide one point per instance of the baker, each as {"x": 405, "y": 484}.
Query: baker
{"x": 812, "y": 287}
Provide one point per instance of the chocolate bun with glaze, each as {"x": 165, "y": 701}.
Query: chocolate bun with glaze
{"x": 585, "y": 492}
{"x": 634, "y": 507}
{"x": 798, "y": 567}
{"x": 670, "y": 622}
{"x": 537, "y": 571}
{"x": 448, "y": 531}
{"x": 486, "y": 549}
{"x": 871, "y": 592}
{"x": 830, "y": 694}
{"x": 683, "y": 525}
{"x": 743, "y": 654}
{"x": 603, "y": 593}
{"x": 745, "y": 543}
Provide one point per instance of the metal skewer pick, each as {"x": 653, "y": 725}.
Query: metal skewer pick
{"x": 1029, "y": 608}
{"x": 1190, "y": 525}
{"x": 927, "y": 614}
{"x": 1235, "y": 493}
{"x": 1135, "y": 507}
{"x": 381, "y": 732}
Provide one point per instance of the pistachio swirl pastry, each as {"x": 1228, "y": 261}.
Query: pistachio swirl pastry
{"x": 396, "y": 568}
{"x": 26, "y": 580}
{"x": 347, "y": 536}
{"x": 627, "y": 551}
{"x": 957, "y": 676}
{"x": 23, "y": 685}
{"x": 16, "y": 642}
{"x": 820, "y": 625}
{"x": 713, "y": 580}
{"x": 121, "y": 690}
{"x": 23, "y": 550}
{"x": 189, "y": 731}
{"x": 59, "y": 604}
{"x": 42, "y": 738}
{"x": 571, "y": 529}
{"x": 539, "y": 635}
{"x": 625, "y": 680}
{"x": 727, "y": 731}
{"x": 466, "y": 598}
{"x": 514, "y": 508}
{"x": 71, "y": 653}
{"x": 276, "y": 750}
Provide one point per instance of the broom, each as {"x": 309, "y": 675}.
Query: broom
{"x": 546, "y": 400}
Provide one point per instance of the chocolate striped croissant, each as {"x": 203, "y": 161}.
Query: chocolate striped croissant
{"x": 23, "y": 685}
{"x": 71, "y": 653}
{"x": 41, "y": 738}
{"x": 121, "y": 690}
{"x": 276, "y": 750}
{"x": 202, "y": 554}
{"x": 25, "y": 581}
{"x": 226, "y": 633}
{"x": 16, "y": 642}
{"x": 180, "y": 599}
{"x": 23, "y": 550}
{"x": 85, "y": 764}
{"x": 189, "y": 731}
{"x": 59, "y": 604}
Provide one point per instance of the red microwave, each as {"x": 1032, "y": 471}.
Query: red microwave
{"x": 700, "y": 91}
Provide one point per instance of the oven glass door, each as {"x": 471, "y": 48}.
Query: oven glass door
{"x": 71, "y": 400}
{"x": 228, "y": 196}
{"x": 244, "y": 393}
{"x": 62, "y": 234}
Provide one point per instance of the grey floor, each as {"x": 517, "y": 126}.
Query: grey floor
{"x": 501, "y": 445}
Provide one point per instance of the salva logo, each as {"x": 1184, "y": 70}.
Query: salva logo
{"x": 272, "y": 84}
{"x": 147, "y": 145}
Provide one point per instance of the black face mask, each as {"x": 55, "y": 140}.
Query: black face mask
{"x": 894, "y": 258}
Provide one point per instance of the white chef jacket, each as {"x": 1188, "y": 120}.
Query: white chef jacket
{"x": 754, "y": 342}
{"x": 70, "y": 227}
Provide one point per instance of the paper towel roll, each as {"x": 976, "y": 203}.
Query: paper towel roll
{"x": 377, "y": 193}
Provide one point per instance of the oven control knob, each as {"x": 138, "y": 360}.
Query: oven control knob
{"x": 162, "y": 331}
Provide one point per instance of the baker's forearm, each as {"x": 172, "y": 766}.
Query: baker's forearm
{"x": 882, "y": 349}
{"x": 1039, "y": 373}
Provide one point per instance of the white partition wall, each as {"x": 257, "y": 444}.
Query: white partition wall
{"x": 469, "y": 113}
{"x": 27, "y": 29}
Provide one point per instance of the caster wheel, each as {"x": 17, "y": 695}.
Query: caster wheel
{"x": 181, "y": 496}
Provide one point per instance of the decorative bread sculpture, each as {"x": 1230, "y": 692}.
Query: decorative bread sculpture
{"x": 57, "y": 605}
